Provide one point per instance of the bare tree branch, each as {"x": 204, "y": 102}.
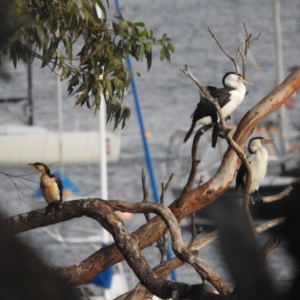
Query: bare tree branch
{"x": 279, "y": 196}
{"x": 271, "y": 244}
{"x": 234, "y": 60}
{"x": 177, "y": 243}
{"x": 195, "y": 199}
{"x": 103, "y": 212}
{"x": 165, "y": 269}
{"x": 145, "y": 193}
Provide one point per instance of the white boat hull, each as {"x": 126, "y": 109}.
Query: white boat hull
{"x": 18, "y": 148}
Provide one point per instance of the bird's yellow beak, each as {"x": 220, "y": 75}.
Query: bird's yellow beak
{"x": 245, "y": 81}
{"x": 267, "y": 141}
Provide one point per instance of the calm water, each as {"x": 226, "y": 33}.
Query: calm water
{"x": 167, "y": 98}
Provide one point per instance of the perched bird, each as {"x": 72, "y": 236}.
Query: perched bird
{"x": 51, "y": 186}
{"x": 258, "y": 160}
{"x": 229, "y": 98}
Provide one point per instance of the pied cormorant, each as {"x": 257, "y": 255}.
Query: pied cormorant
{"x": 51, "y": 186}
{"x": 258, "y": 160}
{"x": 229, "y": 98}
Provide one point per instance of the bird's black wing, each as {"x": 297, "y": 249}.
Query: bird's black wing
{"x": 208, "y": 89}
{"x": 222, "y": 95}
{"x": 187, "y": 136}
{"x": 204, "y": 108}
{"x": 239, "y": 180}
{"x": 60, "y": 187}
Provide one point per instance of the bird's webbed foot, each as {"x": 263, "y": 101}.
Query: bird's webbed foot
{"x": 256, "y": 197}
{"x": 223, "y": 133}
{"x": 51, "y": 206}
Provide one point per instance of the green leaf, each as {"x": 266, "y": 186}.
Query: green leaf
{"x": 139, "y": 24}
{"x": 162, "y": 54}
{"x": 141, "y": 51}
{"x": 142, "y": 34}
{"x": 69, "y": 48}
{"x": 149, "y": 59}
{"x": 171, "y": 46}
{"x": 148, "y": 47}
{"x": 108, "y": 86}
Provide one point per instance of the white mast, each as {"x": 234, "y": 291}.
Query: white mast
{"x": 60, "y": 128}
{"x": 279, "y": 79}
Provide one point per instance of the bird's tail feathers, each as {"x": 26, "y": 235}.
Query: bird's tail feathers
{"x": 215, "y": 134}
{"x": 187, "y": 136}
{"x": 239, "y": 187}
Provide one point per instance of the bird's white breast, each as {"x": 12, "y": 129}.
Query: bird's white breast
{"x": 50, "y": 190}
{"x": 204, "y": 121}
{"x": 258, "y": 162}
{"x": 236, "y": 98}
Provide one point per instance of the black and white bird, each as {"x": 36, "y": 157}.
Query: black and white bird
{"x": 229, "y": 98}
{"x": 258, "y": 160}
{"x": 51, "y": 186}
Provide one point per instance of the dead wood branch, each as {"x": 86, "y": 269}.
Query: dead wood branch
{"x": 103, "y": 212}
{"x": 165, "y": 269}
{"x": 145, "y": 193}
{"x": 248, "y": 43}
{"x": 279, "y": 196}
{"x": 243, "y": 54}
{"x": 271, "y": 244}
{"x": 177, "y": 243}
{"x": 195, "y": 199}
{"x": 163, "y": 246}
{"x": 233, "y": 59}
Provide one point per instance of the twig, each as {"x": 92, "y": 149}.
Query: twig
{"x": 201, "y": 179}
{"x": 164, "y": 188}
{"x": 271, "y": 244}
{"x": 248, "y": 43}
{"x": 163, "y": 245}
{"x": 193, "y": 228}
{"x": 279, "y": 196}
{"x": 234, "y": 60}
{"x": 145, "y": 193}
{"x": 195, "y": 161}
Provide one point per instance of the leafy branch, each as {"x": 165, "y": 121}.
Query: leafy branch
{"x": 53, "y": 30}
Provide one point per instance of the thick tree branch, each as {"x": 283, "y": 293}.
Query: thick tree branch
{"x": 103, "y": 212}
{"x": 165, "y": 269}
{"x": 195, "y": 199}
{"x": 177, "y": 243}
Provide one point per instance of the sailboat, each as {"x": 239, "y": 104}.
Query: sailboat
{"x": 23, "y": 143}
